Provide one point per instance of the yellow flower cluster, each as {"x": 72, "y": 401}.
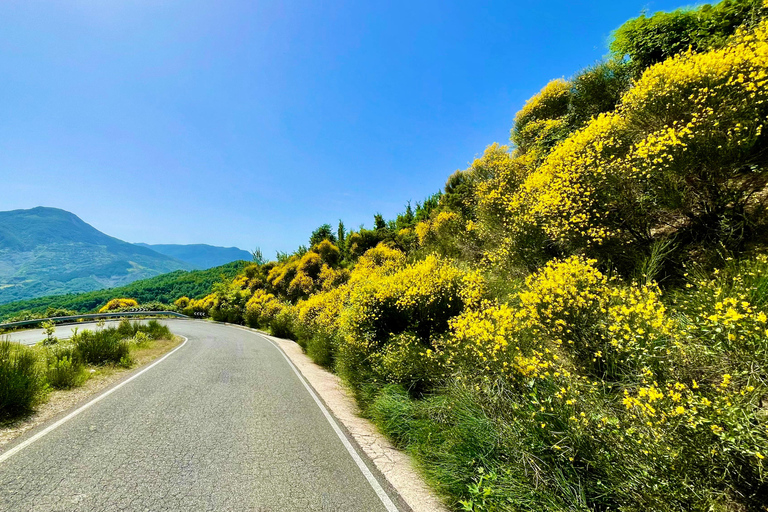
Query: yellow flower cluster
{"x": 445, "y": 225}
{"x": 729, "y": 413}
{"x": 118, "y": 304}
{"x": 568, "y": 308}
{"x": 551, "y": 102}
{"x": 261, "y": 308}
{"x": 612, "y": 178}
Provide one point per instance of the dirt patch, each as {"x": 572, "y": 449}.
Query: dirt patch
{"x": 101, "y": 378}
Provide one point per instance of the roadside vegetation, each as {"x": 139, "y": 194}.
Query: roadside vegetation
{"x": 578, "y": 320}
{"x": 28, "y": 374}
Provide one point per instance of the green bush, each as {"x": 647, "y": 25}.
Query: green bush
{"x": 21, "y": 382}
{"x": 155, "y": 330}
{"x": 101, "y": 347}
{"x": 281, "y": 325}
{"x": 65, "y": 368}
{"x": 321, "y": 347}
{"x": 648, "y": 40}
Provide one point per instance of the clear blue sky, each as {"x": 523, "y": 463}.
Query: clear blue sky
{"x": 250, "y": 123}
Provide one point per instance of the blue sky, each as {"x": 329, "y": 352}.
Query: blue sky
{"x": 251, "y": 123}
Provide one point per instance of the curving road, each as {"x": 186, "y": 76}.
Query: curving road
{"x": 223, "y": 423}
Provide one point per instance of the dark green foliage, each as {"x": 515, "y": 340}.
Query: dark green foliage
{"x": 360, "y": 241}
{"x": 21, "y": 381}
{"x": 324, "y": 232}
{"x": 597, "y": 89}
{"x": 459, "y": 195}
{"x": 425, "y": 208}
{"x": 648, "y": 40}
{"x": 165, "y": 289}
{"x": 406, "y": 219}
{"x": 378, "y": 222}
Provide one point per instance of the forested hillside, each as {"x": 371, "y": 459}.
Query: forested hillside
{"x": 161, "y": 290}
{"x": 578, "y": 321}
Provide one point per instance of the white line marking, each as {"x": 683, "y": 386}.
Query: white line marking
{"x": 16, "y": 449}
{"x": 385, "y": 499}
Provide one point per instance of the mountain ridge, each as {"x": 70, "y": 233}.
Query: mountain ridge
{"x": 45, "y": 251}
{"x": 202, "y": 256}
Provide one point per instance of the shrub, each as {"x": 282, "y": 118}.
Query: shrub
{"x": 648, "y": 171}
{"x": 118, "y": 304}
{"x": 50, "y": 329}
{"x": 648, "y": 40}
{"x": 155, "y": 330}
{"x": 21, "y": 382}
{"x": 281, "y": 325}
{"x": 261, "y": 309}
{"x": 65, "y": 368}
{"x": 101, "y": 347}
{"x": 408, "y": 308}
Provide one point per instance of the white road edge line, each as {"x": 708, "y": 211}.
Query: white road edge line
{"x": 16, "y": 449}
{"x": 385, "y": 499}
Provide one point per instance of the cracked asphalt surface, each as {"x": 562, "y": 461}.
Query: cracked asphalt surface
{"x": 221, "y": 424}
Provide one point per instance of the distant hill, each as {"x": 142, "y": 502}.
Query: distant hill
{"x": 46, "y": 251}
{"x": 164, "y": 288}
{"x": 201, "y": 256}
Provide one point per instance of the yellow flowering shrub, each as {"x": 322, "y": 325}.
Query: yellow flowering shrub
{"x": 569, "y": 317}
{"x": 442, "y": 233}
{"x": 417, "y": 299}
{"x": 181, "y": 302}
{"x": 118, "y": 304}
{"x": 261, "y": 308}
{"x": 685, "y": 140}
{"x": 379, "y": 260}
{"x": 549, "y": 103}
{"x": 491, "y": 341}
{"x": 197, "y": 307}
{"x": 727, "y": 315}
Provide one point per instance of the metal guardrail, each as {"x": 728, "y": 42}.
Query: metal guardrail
{"x": 59, "y": 319}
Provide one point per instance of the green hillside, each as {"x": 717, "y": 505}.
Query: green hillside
{"x": 46, "y": 251}
{"x": 164, "y": 288}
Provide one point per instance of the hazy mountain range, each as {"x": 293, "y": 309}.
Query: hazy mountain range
{"x": 47, "y": 251}
{"x": 202, "y": 256}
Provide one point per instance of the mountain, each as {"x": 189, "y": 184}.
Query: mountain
{"x": 201, "y": 256}
{"x": 46, "y": 251}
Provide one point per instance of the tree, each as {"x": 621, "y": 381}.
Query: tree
{"x": 324, "y": 232}
{"x": 258, "y": 257}
{"x": 378, "y": 222}
{"x": 341, "y": 233}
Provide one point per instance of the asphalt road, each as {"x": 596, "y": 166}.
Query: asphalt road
{"x": 223, "y": 423}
